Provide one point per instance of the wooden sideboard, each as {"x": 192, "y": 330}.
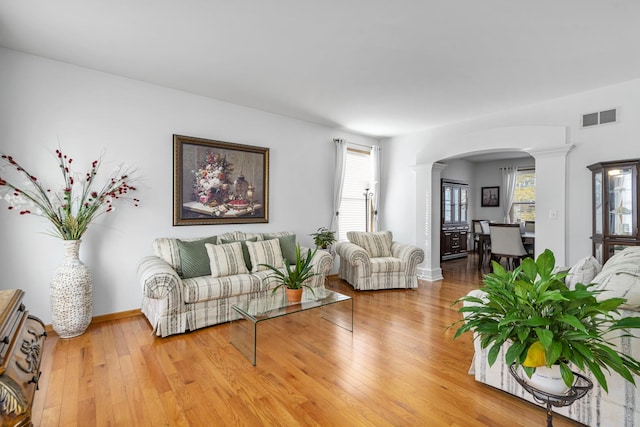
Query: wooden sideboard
{"x": 21, "y": 341}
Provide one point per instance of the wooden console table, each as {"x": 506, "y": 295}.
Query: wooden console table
{"x": 21, "y": 341}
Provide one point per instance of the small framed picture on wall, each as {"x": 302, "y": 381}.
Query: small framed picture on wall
{"x": 490, "y": 197}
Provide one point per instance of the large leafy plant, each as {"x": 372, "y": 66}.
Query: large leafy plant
{"x": 294, "y": 276}
{"x": 530, "y": 309}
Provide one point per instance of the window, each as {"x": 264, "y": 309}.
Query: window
{"x": 353, "y": 206}
{"x": 524, "y": 198}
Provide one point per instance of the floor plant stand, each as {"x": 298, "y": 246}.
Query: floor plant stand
{"x": 580, "y": 388}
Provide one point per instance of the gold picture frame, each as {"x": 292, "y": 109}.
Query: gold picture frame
{"x": 217, "y": 182}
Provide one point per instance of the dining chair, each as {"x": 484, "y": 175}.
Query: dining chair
{"x": 477, "y": 230}
{"x": 481, "y": 226}
{"x": 506, "y": 242}
{"x": 529, "y": 227}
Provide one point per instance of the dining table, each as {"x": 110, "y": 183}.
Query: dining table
{"x": 484, "y": 244}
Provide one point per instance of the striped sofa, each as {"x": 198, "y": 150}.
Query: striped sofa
{"x": 184, "y": 290}
{"x": 371, "y": 261}
{"x": 619, "y": 277}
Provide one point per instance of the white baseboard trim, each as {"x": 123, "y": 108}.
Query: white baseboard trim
{"x": 430, "y": 275}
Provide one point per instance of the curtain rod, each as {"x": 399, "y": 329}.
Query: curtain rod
{"x": 354, "y": 143}
{"x": 520, "y": 168}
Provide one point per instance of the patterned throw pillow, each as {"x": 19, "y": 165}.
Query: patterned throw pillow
{"x": 226, "y": 259}
{"x": 620, "y": 278}
{"x": 621, "y": 285}
{"x": 584, "y": 271}
{"x": 377, "y": 244}
{"x": 193, "y": 257}
{"x": 245, "y": 251}
{"x": 265, "y": 252}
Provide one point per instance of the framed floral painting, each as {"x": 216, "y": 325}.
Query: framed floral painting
{"x": 216, "y": 182}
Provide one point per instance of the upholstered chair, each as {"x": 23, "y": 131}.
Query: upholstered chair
{"x": 477, "y": 230}
{"x": 529, "y": 243}
{"x": 370, "y": 261}
{"x": 480, "y": 226}
{"x": 506, "y": 242}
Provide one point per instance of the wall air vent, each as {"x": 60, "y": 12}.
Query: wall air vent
{"x": 600, "y": 118}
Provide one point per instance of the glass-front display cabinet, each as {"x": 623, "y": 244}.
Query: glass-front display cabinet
{"x": 455, "y": 221}
{"x": 615, "y": 207}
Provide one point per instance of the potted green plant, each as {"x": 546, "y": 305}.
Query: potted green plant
{"x": 544, "y": 323}
{"x": 293, "y": 277}
{"x": 323, "y": 238}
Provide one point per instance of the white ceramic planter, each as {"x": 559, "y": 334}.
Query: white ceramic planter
{"x": 548, "y": 380}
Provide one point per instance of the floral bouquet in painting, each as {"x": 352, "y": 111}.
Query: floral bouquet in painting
{"x": 71, "y": 208}
{"x": 211, "y": 181}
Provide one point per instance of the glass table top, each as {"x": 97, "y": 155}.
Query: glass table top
{"x": 276, "y": 305}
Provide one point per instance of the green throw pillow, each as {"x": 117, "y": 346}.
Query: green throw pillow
{"x": 245, "y": 251}
{"x": 287, "y": 246}
{"x": 194, "y": 259}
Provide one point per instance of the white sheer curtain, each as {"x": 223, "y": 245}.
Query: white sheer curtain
{"x": 508, "y": 190}
{"x": 338, "y": 181}
{"x": 375, "y": 184}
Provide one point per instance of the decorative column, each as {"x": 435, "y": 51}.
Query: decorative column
{"x": 427, "y": 219}
{"x": 551, "y": 199}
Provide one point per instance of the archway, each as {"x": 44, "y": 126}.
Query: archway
{"x": 480, "y": 169}
{"x": 548, "y": 147}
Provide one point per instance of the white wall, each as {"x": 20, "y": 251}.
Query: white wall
{"x": 46, "y": 103}
{"x": 458, "y": 170}
{"x": 508, "y": 131}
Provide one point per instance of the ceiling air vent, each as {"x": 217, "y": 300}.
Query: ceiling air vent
{"x": 600, "y": 118}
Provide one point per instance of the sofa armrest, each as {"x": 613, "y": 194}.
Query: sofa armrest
{"x": 411, "y": 254}
{"x": 352, "y": 254}
{"x": 322, "y": 262}
{"x": 159, "y": 280}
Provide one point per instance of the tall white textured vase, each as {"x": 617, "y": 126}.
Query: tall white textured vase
{"x": 71, "y": 294}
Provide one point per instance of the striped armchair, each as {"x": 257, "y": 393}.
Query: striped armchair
{"x": 371, "y": 261}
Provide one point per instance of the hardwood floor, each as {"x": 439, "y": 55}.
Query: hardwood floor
{"x": 400, "y": 367}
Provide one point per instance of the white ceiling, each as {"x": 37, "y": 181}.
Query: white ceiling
{"x": 377, "y": 67}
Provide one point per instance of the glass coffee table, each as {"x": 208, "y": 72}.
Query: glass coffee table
{"x": 334, "y": 307}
